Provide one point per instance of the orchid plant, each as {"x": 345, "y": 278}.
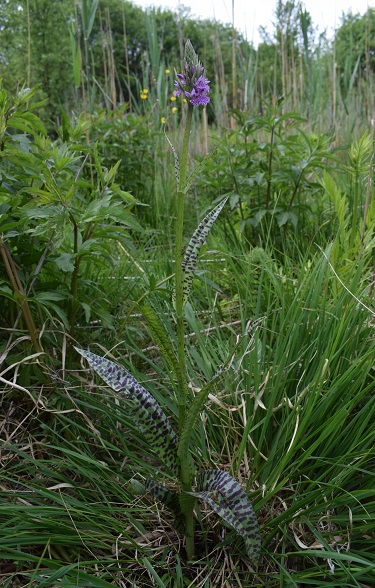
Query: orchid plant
{"x": 217, "y": 488}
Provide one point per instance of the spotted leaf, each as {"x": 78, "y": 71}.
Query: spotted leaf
{"x": 146, "y": 411}
{"x": 228, "y": 500}
{"x": 189, "y": 262}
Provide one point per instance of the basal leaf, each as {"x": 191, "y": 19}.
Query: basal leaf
{"x": 228, "y": 500}
{"x": 189, "y": 262}
{"x": 146, "y": 411}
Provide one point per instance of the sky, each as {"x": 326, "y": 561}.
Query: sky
{"x": 250, "y": 14}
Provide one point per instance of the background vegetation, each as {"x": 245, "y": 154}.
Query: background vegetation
{"x": 87, "y": 203}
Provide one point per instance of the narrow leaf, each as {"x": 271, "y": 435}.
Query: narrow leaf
{"x": 194, "y": 411}
{"x": 91, "y": 17}
{"x": 176, "y": 160}
{"x": 196, "y": 171}
{"x": 160, "y": 336}
{"x": 146, "y": 411}
{"x": 189, "y": 262}
{"x": 230, "y": 502}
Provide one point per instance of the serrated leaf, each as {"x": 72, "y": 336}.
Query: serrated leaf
{"x": 146, "y": 411}
{"x": 65, "y": 262}
{"x": 176, "y": 160}
{"x": 230, "y": 502}
{"x": 189, "y": 262}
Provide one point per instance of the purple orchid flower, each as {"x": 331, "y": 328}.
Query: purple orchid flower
{"x": 192, "y": 84}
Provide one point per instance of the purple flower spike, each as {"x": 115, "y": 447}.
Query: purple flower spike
{"x": 192, "y": 84}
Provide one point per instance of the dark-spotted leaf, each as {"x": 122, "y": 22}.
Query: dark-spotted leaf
{"x": 146, "y": 411}
{"x": 228, "y": 500}
{"x": 190, "y": 259}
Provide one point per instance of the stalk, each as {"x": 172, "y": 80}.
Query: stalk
{"x": 178, "y": 277}
{"x": 194, "y": 85}
{"x": 186, "y": 502}
{"x": 355, "y": 206}
{"x": 20, "y": 294}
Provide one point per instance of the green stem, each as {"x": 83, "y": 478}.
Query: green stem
{"x": 269, "y": 177}
{"x": 182, "y": 380}
{"x": 74, "y": 280}
{"x": 355, "y": 208}
{"x": 20, "y": 293}
{"x": 186, "y": 473}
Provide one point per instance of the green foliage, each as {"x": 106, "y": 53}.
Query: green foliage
{"x": 355, "y": 46}
{"x": 196, "y": 243}
{"x": 268, "y": 170}
{"x": 129, "y": 139}
{"x": 56, "y": 218}
{"x": 228, "y": 500}
{"x": 146, "y": 411}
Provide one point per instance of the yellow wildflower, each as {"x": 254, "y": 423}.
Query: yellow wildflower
{"x": 174, "y": 110}
{"x": 162, "y": 120}
{"x": 173, "y": 98}
{"x": 185, "y": 100}
{"x": 167, "y": 71}
{"x": 145, "y": 91}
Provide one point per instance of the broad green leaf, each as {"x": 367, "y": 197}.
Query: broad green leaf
{"x": 230, "y": 502}
{"x": 146, "y": 411}
{"x": 51, "y": 296}
{"x": 176, "y": 160}
{"x": 198, "y": 239}
{"x": 28, "y": 122}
